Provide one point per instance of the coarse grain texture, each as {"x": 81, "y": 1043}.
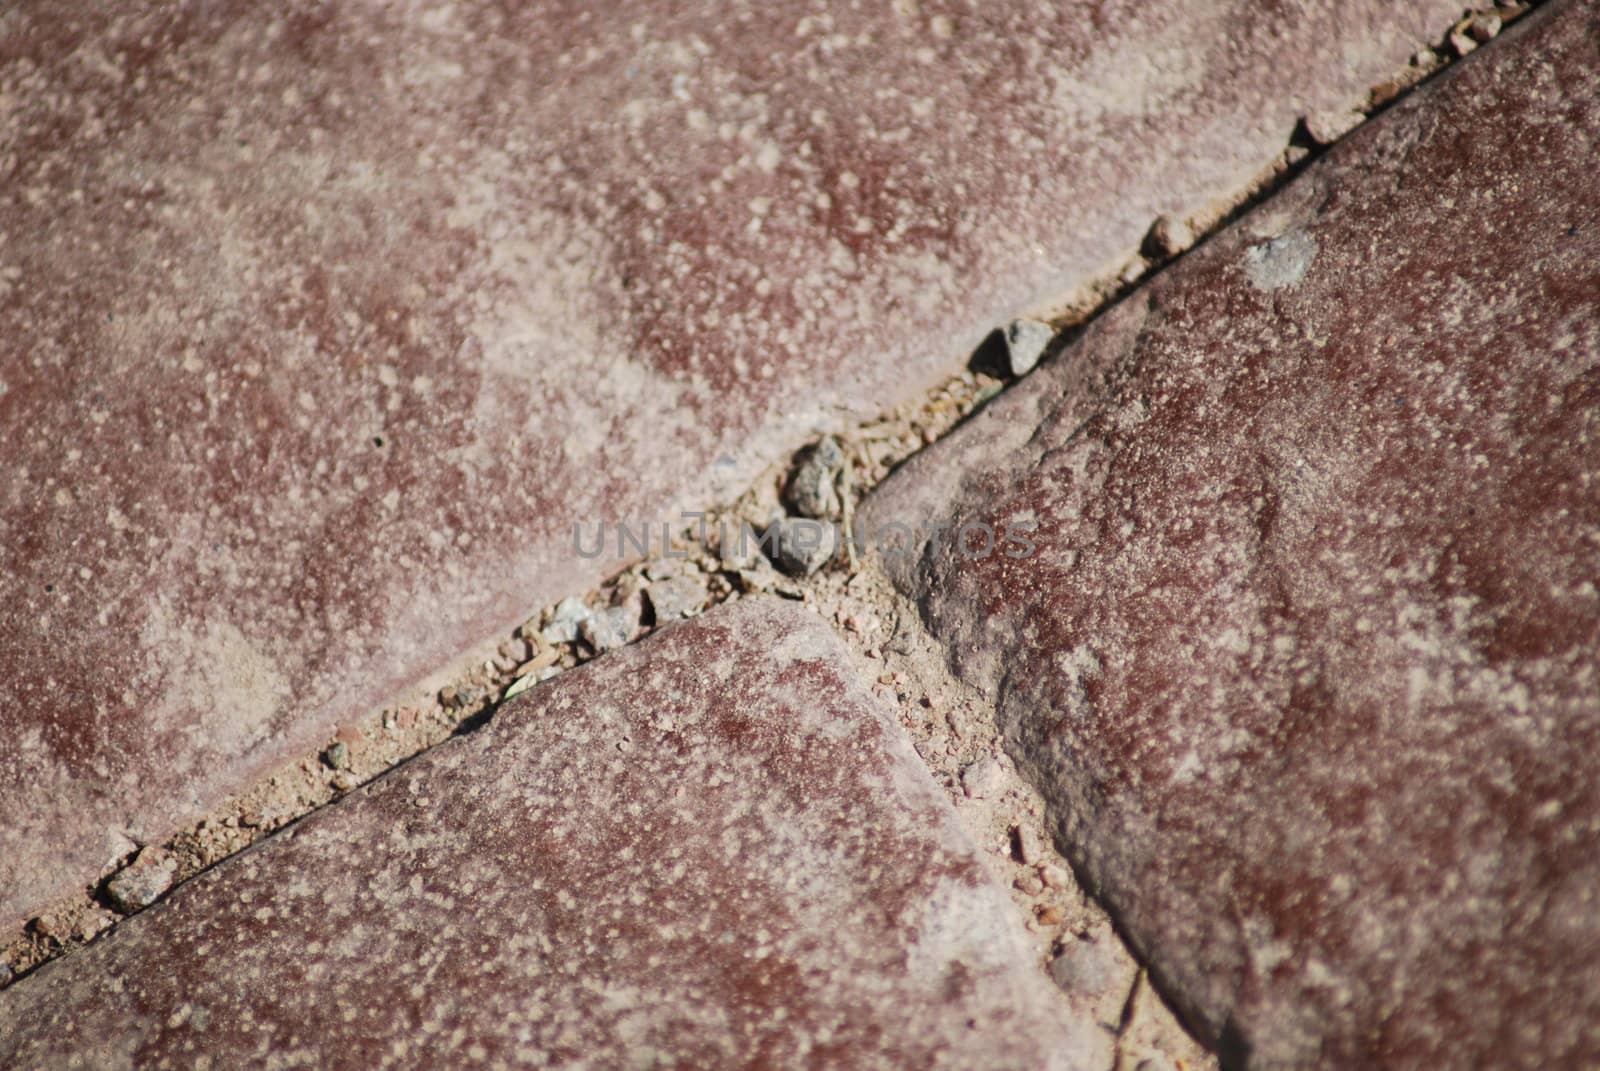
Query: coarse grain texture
{"x": 1305, "y": 659}
{"x": 707, "y": 850}
{"x": 321, "y": 325}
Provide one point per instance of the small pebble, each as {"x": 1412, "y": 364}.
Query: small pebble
{"x": 337, "y": 756}
{"x": 344, "y": 781}
{"x": 611, "y": 628}
{"x": 1026, "y": 341}
{"x": 664, "y": 568}
{"x": 138, "y": 885}
{"x": 52, "y": 927}
{"x": 682, "y": 596}
{"x": 1029, "y": 883}
{"x": 92, "y": 922}
{"x": 1029, "y": 847}
{"x": 983, "y": 779}
{"x": 736, "y": 544}
{"x": 456, "y": 698}
{"x": 512, "y": 652}
{"x": 1050, "y": 915}
{"x": 1485, "y": 27}
{"x": 799, "y": 545}
{"x": 6, "y": 974}
{"x": 565, "y": 620}
{"x": 1087, "y": 967}
{"x": 811, "y": 490}
{"x": 1327, "y": 127}
{"x": 1055, "y": 877}
{"x": 1168, "y": 237}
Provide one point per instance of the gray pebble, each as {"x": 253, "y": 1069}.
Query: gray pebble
{"x": 337, "y": 756}
{"x": 6, "y": 974}
{"x": 800, "y": 545}
{"x": 811, "y": 490}
{"x": 1026, "y": 341}
{"x": 1086, "y": 967}
{"x": 610, "y": 629}
{"x": 680, "y": 596}
{"x": 565, "y": 621}
{"x": 138, "y": 886}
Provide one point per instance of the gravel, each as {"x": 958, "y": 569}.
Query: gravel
{"x": 677, "y": 597}
{"x": 138, "y": 886}
{"x": 983, "y": 779}
{"x": 800, "y": 545}
{"x": 1026, "y": 341}
{"x": 1327, "y": 127}
{"x": 1168, "y": 237}
{"x": 811, "y": 490}
{"x": 1087, "y": 967}
{"x": 565, "y": 621}
{"x": 610, "y": 629}
{"x": 453, "y": 698}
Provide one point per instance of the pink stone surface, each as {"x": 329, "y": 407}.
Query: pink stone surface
{"x": 320, "y": 325}
{"x": 1307, "y": 659}
{"x": 706, "y": 851}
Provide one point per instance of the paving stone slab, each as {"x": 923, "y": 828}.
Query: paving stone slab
{"x": 1306, "y": 657}
{"x": 708, "y": 850}
{"x": 321, "y": 325}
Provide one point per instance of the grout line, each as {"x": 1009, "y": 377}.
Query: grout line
{"x": 464, "y": 695}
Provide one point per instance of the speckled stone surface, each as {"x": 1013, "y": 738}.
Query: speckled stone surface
{"x": 1307, "y": 657}
{"x": 321, "y": 325}
{"x": 707, "y": 850}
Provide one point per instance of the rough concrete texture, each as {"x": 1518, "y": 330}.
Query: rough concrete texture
{"x": 320, "y": 325}
{"x": 708, "y": 850}
{"x": 1305, "y": 658}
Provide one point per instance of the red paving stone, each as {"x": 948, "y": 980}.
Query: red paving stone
{"x": 707, "y": 850}
{"x": 1307, "y": 661}
{"x": 320, "y": 325}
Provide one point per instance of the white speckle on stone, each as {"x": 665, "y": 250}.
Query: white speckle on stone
{"x": 1280, "y": 262}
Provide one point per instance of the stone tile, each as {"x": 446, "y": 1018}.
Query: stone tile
{"x": 320, "y": 326}
{"x": 707, "y": 850}
{"x": 1304, "y": 657}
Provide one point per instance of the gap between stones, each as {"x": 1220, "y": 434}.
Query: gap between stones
{"x": 949, "y": 725}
